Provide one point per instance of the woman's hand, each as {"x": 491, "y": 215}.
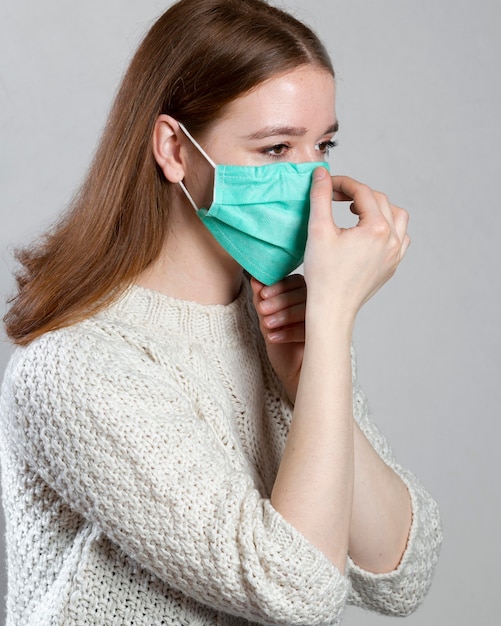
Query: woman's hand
{"x": 281, "y": 309}
{"x": 344, "y": 267}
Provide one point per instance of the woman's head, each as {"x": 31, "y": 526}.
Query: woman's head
{"x": 197, "y": 58}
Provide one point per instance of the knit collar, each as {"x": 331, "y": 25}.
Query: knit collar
{"x": 161, "y": 313}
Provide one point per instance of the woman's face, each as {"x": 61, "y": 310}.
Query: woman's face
{"x": 290, "y": 117}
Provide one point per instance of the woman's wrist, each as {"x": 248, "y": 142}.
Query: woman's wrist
{"x": 329, "y": 324}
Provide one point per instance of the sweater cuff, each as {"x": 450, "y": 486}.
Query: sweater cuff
{"x": 311, "y": 589}
{"x": 400, "y": 591}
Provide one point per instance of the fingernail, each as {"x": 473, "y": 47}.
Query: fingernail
{"x": 271, "y": 322}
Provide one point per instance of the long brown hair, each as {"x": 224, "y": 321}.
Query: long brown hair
{"x": 198, "y": 57}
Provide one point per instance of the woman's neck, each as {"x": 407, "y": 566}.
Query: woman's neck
{"x": 190, "y": 281}
{"x": 192, "y": 265}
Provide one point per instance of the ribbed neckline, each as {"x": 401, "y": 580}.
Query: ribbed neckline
{"x": 212, "y": 323}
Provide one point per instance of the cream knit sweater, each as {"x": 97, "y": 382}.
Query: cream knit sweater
{"x": 139, "y": 449}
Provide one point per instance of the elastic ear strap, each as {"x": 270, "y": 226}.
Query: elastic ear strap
{"x": 196, "y": 144}
{"x": 188, "y": 195}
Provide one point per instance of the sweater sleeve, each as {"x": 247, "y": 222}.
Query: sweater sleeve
{"x": 401, "y": 591}
{"x": 118, "y": 441}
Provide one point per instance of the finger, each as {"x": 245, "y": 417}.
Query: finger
{"x": 289, "y": 334}
{"x": 338, "y": 196}
{"x": 257, "y": 288}
{"x": 400, "y": 220}
{"x": 286, "y": 317}
{"x": 321, "y": 201}
{"x": 385, "y": 206}
{"x": 346, "y": 186}
{"x": 365, "y": 204}
{"x": 256, "y": 285}
{"x": 405, "y": 246}
{"x": 395, "y": 216}
{"x": 281, "y": 311}
{"x": 289, "y": 283}
{"x": 283, "y": 301}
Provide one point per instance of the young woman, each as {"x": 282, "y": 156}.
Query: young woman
{"x": 183, "y": 438}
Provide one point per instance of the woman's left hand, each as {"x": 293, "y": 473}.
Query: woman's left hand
{"x": 281, "y": 309}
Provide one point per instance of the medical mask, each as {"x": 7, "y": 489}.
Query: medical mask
{"x": 259, "y": 214}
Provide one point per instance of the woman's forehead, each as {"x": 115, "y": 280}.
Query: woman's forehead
{"x": 288, "y": 103}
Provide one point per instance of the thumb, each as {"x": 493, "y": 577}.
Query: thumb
{"x": 321, "y": 199}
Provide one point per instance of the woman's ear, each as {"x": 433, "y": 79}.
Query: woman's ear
{"x": 167, "y": 148}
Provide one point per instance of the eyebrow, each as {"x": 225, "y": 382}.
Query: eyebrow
{"x": 293, "y": 131}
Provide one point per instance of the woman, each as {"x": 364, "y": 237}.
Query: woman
{"x": 182, "y": 444}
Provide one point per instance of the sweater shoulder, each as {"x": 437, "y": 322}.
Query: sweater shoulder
{"x": 85, "y": 364}
{"x": 68, "y": 349}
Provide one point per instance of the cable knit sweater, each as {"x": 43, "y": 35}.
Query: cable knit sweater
{"x": 139, "y": 449}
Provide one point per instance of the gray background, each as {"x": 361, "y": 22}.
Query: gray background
{"x": 419, "y": 101}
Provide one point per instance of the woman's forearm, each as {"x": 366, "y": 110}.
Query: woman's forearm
{"x": 313, "y": 490}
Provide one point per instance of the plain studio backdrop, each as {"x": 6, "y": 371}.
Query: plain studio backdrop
{"x": 419, "y": 104}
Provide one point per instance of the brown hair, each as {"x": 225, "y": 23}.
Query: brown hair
{"x": 198, "y": 57}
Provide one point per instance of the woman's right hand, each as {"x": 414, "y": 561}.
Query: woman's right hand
{"x": 345, "y": 267}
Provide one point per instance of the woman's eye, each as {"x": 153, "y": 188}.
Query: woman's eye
{"x": 277, "y": 150}
{"x": 280, "y": 150}
{"x": 325, "y": 146}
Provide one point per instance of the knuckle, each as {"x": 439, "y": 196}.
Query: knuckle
{"x": 382, "y": 197}
{"x": 382, "y": 229}
{"x": 366, "y": 190}
{"x": 395, "y": 247}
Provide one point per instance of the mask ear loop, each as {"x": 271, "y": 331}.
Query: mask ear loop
{"x": 202, "y": 151}
{"x": 188, "y": 195}
{"x": 196, "y": 144}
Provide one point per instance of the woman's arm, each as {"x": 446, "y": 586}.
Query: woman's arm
{"x": 331, "y": 485}
{"x": 381, "y": 511}
{"x": 314, "y": 486}
{"x": 400, "y": 591}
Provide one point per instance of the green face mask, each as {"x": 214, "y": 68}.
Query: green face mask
{"x": 259, "y": 214}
